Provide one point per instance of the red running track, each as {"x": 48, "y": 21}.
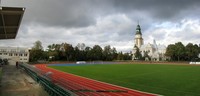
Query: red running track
{"x": 88, "y": 87}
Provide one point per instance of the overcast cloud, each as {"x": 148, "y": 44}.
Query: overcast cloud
{"x": 106, "y": 22}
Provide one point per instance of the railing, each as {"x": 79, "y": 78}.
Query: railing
{"x": 42, "y": 78}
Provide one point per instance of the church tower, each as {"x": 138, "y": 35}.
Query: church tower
{"x": 138, "y": 37}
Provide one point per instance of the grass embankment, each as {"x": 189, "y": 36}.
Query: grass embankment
{"x": 170, "y": 80}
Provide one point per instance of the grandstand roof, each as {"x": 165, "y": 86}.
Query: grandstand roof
{"x": 10, "y": 19}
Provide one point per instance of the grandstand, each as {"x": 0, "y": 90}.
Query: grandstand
{"x": 10, "y": 19}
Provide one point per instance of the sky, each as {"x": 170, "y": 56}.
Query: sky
{"x": 106, "y": 22}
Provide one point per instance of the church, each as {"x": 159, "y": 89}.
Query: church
{"x": 150, "y": 52}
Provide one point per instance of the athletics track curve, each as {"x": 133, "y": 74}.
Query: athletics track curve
{"x": 88, "y": 87}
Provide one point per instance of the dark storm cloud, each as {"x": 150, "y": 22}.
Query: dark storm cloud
{"x": 106, "y": 22}
{"x": 158, "y": 9}
{"x": 82, "y": 13}
{"x": 66, "y": 13}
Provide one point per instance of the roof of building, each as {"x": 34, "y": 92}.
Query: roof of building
{"x": 146, "y": 46}
{"x": 10, "y": 19}
{"x": 153, "y": 46}
{"x": 163, "y": 47}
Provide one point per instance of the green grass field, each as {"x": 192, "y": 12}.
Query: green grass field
{"x": 169, "y": 80}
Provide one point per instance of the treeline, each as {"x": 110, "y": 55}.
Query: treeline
{"x": 179, "y": 52}
{"x": 81, "y": 52}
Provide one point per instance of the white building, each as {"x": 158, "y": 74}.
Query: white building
{"x": 155, "y": 52}
{"x": 15, "y": 53}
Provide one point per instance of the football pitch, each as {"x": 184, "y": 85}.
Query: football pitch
{"x": 164, "y": 79}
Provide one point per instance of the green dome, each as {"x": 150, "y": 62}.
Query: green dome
{"x": 138, "y": 29}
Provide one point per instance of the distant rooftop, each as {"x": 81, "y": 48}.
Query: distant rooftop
{"x": 10, "y": 19}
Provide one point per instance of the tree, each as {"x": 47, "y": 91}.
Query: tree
{"x": 120, "y": 56}
{"x": 68, "y": 52}
{"x": 96, "y": 52}
{"x": 170, "y": 51}
{"x": 81, "y": 46}
{"x": 107, "y": 53}
{"x": 176, "y": 51}
{"x": 79, "y": 54}
{"x": 196, "y": 51}
{"x": 88, "y": 53}
{"x": 191, "y": 51}
{"x": 180, "y": 51}
{"x": 138, "y": 54}
{"x": 114, "y": 53}
{"x": 37, "y": 45}
{"x": 37, "y": 52}
{"x": 53, "y": 51}
{"x": 127, "y": 56}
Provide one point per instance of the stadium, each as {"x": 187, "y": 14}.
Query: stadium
{"x": 120, "y": 79}
{"x": 140, "y": 68}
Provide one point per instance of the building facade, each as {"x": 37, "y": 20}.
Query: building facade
{"x": 149, "y": 51}
{"x": 15, "y": 53}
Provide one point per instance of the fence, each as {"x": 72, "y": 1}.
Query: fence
{"x": 45, "y": 81}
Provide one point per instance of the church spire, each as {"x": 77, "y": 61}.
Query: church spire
{"x": 138, "y": 36}
{"x": 138, "y": 29}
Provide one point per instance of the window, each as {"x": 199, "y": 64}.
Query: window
{"x": 25, "y": 55}
{"x": 22, "y": 51}
{"x": 16, "y": 54}
{"x": 0, "y": 53}
{"x": 20, "y": 54}
{"x": 13, "y": 50}
{"x": 5, "y": 54}
{"x": 10, "y": 54}
{"x": 3, "y": 50}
